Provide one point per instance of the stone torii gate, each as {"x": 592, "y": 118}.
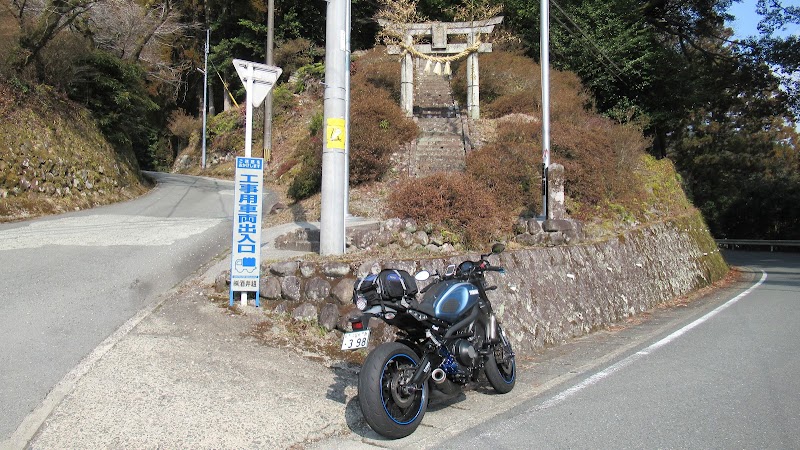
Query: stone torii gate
{"x": 438, "y": 33}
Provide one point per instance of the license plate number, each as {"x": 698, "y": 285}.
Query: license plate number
{"x": 356, "y": 339}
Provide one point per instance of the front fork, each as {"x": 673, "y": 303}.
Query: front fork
{"x": 491, "y": 330}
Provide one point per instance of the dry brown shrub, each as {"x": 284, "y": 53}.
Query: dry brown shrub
{"x": 569, "y": 101}
{"x": 600, "y": 156}
{"x": 284, "y": 167}
{"x": 452, "y": 202}
{"x": 509, "y": 171}
{"x": 378, "y": 127}
{"x": 9, "y": 38}
{"x": 501, "y": 74}
{"x": 511, "y": 83}
{"x": 519, "y": 132}
{"x": 518, "y": 102}
{"x": 600, "y": 159}
{"x": 375, "y": 67}
{"x": 182, "y": 125}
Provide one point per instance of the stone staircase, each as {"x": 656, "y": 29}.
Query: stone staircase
{"x": 440, "y": 145}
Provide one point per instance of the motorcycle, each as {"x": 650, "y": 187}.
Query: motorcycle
{"x": 446, "y": 338}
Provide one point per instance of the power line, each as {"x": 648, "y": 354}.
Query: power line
{"x": 594, "y": 49}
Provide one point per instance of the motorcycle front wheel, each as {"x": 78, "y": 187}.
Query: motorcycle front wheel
{"x": 501, "y": 365}
{"x": 391, "y": 407}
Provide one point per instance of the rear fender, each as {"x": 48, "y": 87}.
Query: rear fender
{"x": 376, "y": 311}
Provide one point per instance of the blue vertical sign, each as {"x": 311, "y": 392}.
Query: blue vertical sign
{"x": 246, "y": 245}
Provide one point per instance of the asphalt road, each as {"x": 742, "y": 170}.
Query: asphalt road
{"x": 69, "y": 281}
{"x": 726, "y": 379}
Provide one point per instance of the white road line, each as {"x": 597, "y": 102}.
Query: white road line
{"x": 640, "y": 354}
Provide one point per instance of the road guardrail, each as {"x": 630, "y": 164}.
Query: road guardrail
{"x": 733, "y": 243}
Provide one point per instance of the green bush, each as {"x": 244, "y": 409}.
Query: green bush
{"x": 315, "y": 126}
{"x": 114, "y": 91}
{"x": 294, "y": 54}
{"x": 308, "y": 157}
{"x": 308, "y": 180}
{"x": 225, "y": 122}
{"x": 308, "y": 76}
{"x": 283, "y": 100}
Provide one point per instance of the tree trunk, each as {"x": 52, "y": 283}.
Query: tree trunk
{"x": 226, "y": 103}
{"x": 212, "y": 110}
{"x": 57, "y": 15}
{"x": 166, "y": 8}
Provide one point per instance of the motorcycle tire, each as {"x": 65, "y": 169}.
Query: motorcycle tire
{"x": 502, "y": 375}
{"x": 387, "y": 408}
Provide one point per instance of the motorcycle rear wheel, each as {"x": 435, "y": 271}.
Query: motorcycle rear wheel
{"x": 501, "y": 365}
{"x": 390, "y": 409}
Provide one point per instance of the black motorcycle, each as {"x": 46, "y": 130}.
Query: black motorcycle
{"x": 447, "y": 338}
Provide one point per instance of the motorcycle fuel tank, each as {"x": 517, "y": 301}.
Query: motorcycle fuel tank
{"x": 449, "y": 300}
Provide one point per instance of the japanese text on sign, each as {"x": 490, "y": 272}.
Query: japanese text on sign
{"x": 246, "y": 245}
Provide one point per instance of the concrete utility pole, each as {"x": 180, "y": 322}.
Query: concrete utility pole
{"x": 205, "y": 99}
{"x": 544, "y": 58}
{"x": 348, "y": 55}
{"x": 270, "y": 60}
{"x": 334, "y": 156}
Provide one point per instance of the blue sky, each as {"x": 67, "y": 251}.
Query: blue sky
{"x": 747, "y": 19}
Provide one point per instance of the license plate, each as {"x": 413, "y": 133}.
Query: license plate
{"x": 355, "y": 339}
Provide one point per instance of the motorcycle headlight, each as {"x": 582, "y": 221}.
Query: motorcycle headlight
{"x": 361, "y": 302}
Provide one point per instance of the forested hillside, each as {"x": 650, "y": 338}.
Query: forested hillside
{"x": 724, "y": 111}
{"x": 53, "y": 158}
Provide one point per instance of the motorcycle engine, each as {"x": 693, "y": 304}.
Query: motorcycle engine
{"x": 465, "y": 352}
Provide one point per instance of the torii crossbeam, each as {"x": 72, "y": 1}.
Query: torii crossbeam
{"x": 439, "y": 33}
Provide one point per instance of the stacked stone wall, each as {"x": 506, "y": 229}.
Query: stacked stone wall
{"x": 547, "y": 296}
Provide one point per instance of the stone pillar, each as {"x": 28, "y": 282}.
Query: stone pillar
{"x": 407, "y": 81}
{"x": 555, "y": 193}
{"x": 473, "y": 81}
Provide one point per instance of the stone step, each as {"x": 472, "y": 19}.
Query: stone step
{"x": 440, "y": 144}
{"x": 452, "y": 126}
{"x": 307, "y": 239}
{"x": 431, "y": 112}
{"x": 448, "y": 149}
{"x": 302, "y": 240}
{"x": 437, "y": 159}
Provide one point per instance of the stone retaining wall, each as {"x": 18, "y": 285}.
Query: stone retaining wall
{"x": 548, "y": 294}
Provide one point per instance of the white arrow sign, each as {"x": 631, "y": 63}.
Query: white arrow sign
{"x": 258, "y": 79}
